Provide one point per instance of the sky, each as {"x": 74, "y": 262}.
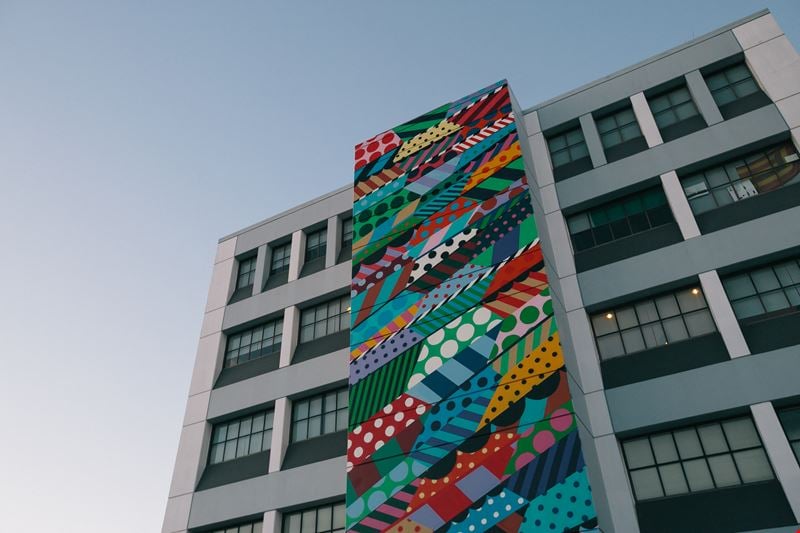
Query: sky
{"x": 133, "y": 135}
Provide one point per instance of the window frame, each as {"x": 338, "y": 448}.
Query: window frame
{"x": 254, "y": 527}
{"x": 656, "y": 465}
{"x": 594, "y": 228}
{"x": 248, "y": 262}
{"x": 672, "y": 106}
{"x": 231, "y": 338}
{"x": 649, "y": 324}
{"x": 343, "y": 314}
{"x": 345, "y": 243}
{"x": 618, "y": 127}
{"x": 568, "y": 146}
{"x": 792, "y": 433}
{"x": 267, "y": 416}
{"x": 789, "y": 291}
{"x": 302, "y": 416}
{"x": 286, "y": 254}
{"x": 730, "y": 84}
{"x": 301, "y": 513}
{"x": 316, "y": 251}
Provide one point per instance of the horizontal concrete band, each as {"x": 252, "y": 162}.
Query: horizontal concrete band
{"x": 292, "y": 293}
{"x": 736, "y": 383}
{"x": 286, "y": 381}
{"x": 279, "y": 490}
{"x": 725, "y": 136}
{"x": 729, "y": 246}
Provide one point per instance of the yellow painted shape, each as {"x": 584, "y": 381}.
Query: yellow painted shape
{"x": 425, "y": 139}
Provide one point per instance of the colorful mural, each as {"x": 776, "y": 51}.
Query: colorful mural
{"x": 460, "y": 415}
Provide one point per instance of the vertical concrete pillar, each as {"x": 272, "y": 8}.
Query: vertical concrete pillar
{"x": 281, "y": 426}
{"x": 679, "y": 205}
{"x": 702, "y": 98}
{"x": 271, "y": 522}
{"x": 593, "y": 143}
{"x": 259, "y": 276}
{"x": 721, "y": 310}
{"x": 647, "y": 123}
{"x": 297, "y": 254}
{"x": 779, "y": 452}
{"x": 291, "y": 326}
{"x": 334, "y": 238}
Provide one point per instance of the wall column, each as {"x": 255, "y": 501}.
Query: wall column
{"x": 780, "y": 453}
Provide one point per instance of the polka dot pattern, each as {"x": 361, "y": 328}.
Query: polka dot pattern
{"x": 425, "y": 139}
{"x": 564, "y": 506}
{"x": 373, "y": 148}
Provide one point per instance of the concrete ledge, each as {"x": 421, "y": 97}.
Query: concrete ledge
{"x": 736, "y": 383}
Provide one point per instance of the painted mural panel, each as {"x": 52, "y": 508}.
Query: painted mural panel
{"x": 460, "y": 415}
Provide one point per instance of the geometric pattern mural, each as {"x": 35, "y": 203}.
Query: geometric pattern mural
{"x": 460, "y": 414}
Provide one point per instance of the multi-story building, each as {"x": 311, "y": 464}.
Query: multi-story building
{"x": 667, "y": 200}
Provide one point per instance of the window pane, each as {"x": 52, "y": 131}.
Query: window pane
{"x": 699, "y": 323}
{"x": 765, "y": 280}
{"x": 790, "y": 418}
{"x": 230, "y": 451}
{"x": 774, "y": 301}
{"x": 698, "y": 475}
{"x": 689, "y": 301}
{"x": 242, "y": 447}
{"x": 604, "y": 323}
{"x": 557, "y": 143}
{"x": 664, "y": 448}
{"x": 256, "y": 440}
{"x": 638, "y": 453}
{"x": 788, "y": 273}
{"x": 688, "y": 443}
{"x": 646, "y": 484}
{"x": 712, "y": 438}
{"x": 314, "y": 426}
{"x": 646, "y": 311}
{"x": 338, "y": 516}
{"x": 578, "y": 151}
{"x": 324, "y": 515}
{"x": 626, "y": 318}
{"x": 610, "y": 346}
{"x": 315, "y": 406}
{"x": 685, "y": 111}
{"x": 741, "y": 433}
{"x": 300, "y": 430}
{"x": 301, "y": 410}
{"x": 723, "y": 470}
{"x": 653, "y": 335}
{"x": 630, "y": 131}
{"x": 292, "y": 525}
{"x": 739, "y": 286}
{"x": 667, "y": 306}
{"x": 672, "y": 479}
{"x": 309, "y": 521}
{"x": 675, "y": 329}
{"x": 632, "y": 340}
{"x": 753, "y": 465}
{"x": 560, "y": 158}
{"x": 217, "y": 453}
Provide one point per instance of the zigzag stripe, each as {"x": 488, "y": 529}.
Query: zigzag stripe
{"x": 482, "y": 135}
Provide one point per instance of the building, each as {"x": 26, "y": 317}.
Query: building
{"x": 675, "y": 281}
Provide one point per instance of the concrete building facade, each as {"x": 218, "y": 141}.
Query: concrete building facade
{"x": 667, "y": 198}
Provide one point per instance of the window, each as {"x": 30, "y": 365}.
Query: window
{"x": 280, "y": 258}
{"x": 618, "y": 128}
{"x": 241, "y": 437}
{"x": 567, "y": 147}
{"x": 790, "y": 419}
{"x": 764, "y": 290}
{"x": 347, "y": 233}
{"x": 621, "y": 218}
{"x": 255, "y": 527}
{"x": 323, "y": 519}
{"x": 758, "y": 173}
{"x": 652, "y": 322}
{"x": 319, "y": 415}
{"x": 316, "y": 244}
{"x": 731, "y": 84}
{"x": 325, "y": 318}
{"x": 253, "y": 343}
{"x": 247, "y": 272}
{"x": 696, "y": 458}
{"x": 673, "y": 107}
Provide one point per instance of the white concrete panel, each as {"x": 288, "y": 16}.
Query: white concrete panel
{"x": 679, "y": 205}
{"x": 259, "y": 275}
{"x": 542, "y": 168}
{"x": 188, "y": 460}
{"x": 297, "y": 254}
{"x": 207, "y": 363}
{"x": 570, "y": 293}
{"x": 212, "y": 322}
{"x": 702, "y": 97}
{"x": 549, "y": 198}
{"x": 225, "y": 250}
{"x": 271, "y": 522}
{"x": 780, "y": 452}
{"x": 616, "y": 486}
{"x": 593, "y": 143}
{"x": 220, "y": 289}
{"x": 597, "y": 409}
{"x": 588, "y": 371}
{"x": 757, "y": 31}
{"x": 721, "y": 310}
{"x": 333, "y": 235}
{"x": 776, "y": 65}
{"x": 532, "y": 126}
{"x": 790, "y": 109}
{"x": 196, "y": 408}
{"x": 176, "y": 518}
{"x": 291, "y": 327}
{"x": 645, "y": 119}
{"x": 281, "y": 426}
{"x": 556, "y": 228}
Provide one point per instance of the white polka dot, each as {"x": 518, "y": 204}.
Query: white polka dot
{"x": 508, "y": 507}
{"x": 471, "y": 528}
{"x": 357, "y": 430}
{"x": 378, "y": 422}
{"x": 368, "y": 437}
{"x": 449, "y": 348}
{"x": 436, "y": 337}
{"x": 349, "y": 444}
{"x": 409, "y": 422}
{"x": 520, "y": 501}
{"x": 490, "y": 501}
{"x": 432, "y": 364}
{"x": 399, "y": 417}
{"x": 483, "y": 521}
{"x": 358, "y": 452}
{"x": 348, "y": 466}
{"x": 409, "y": 402}
{"x": 378, "y": 445}
{"x": 423, "y": 353}
{"x": 493, "y": 323}
{"x": 389, "y": 431}
{"x": 496, "y": 514}
{"x": 481, "y": 316}
{"x": 388, "y": 409}
{"x": 465, "y": 332}
{"x": 454, "y": 324}
{"x": 415, "y": 379}
{"x": 420, "y": 410}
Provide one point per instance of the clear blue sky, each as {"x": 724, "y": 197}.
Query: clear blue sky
{"x": 134, "y": 134}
